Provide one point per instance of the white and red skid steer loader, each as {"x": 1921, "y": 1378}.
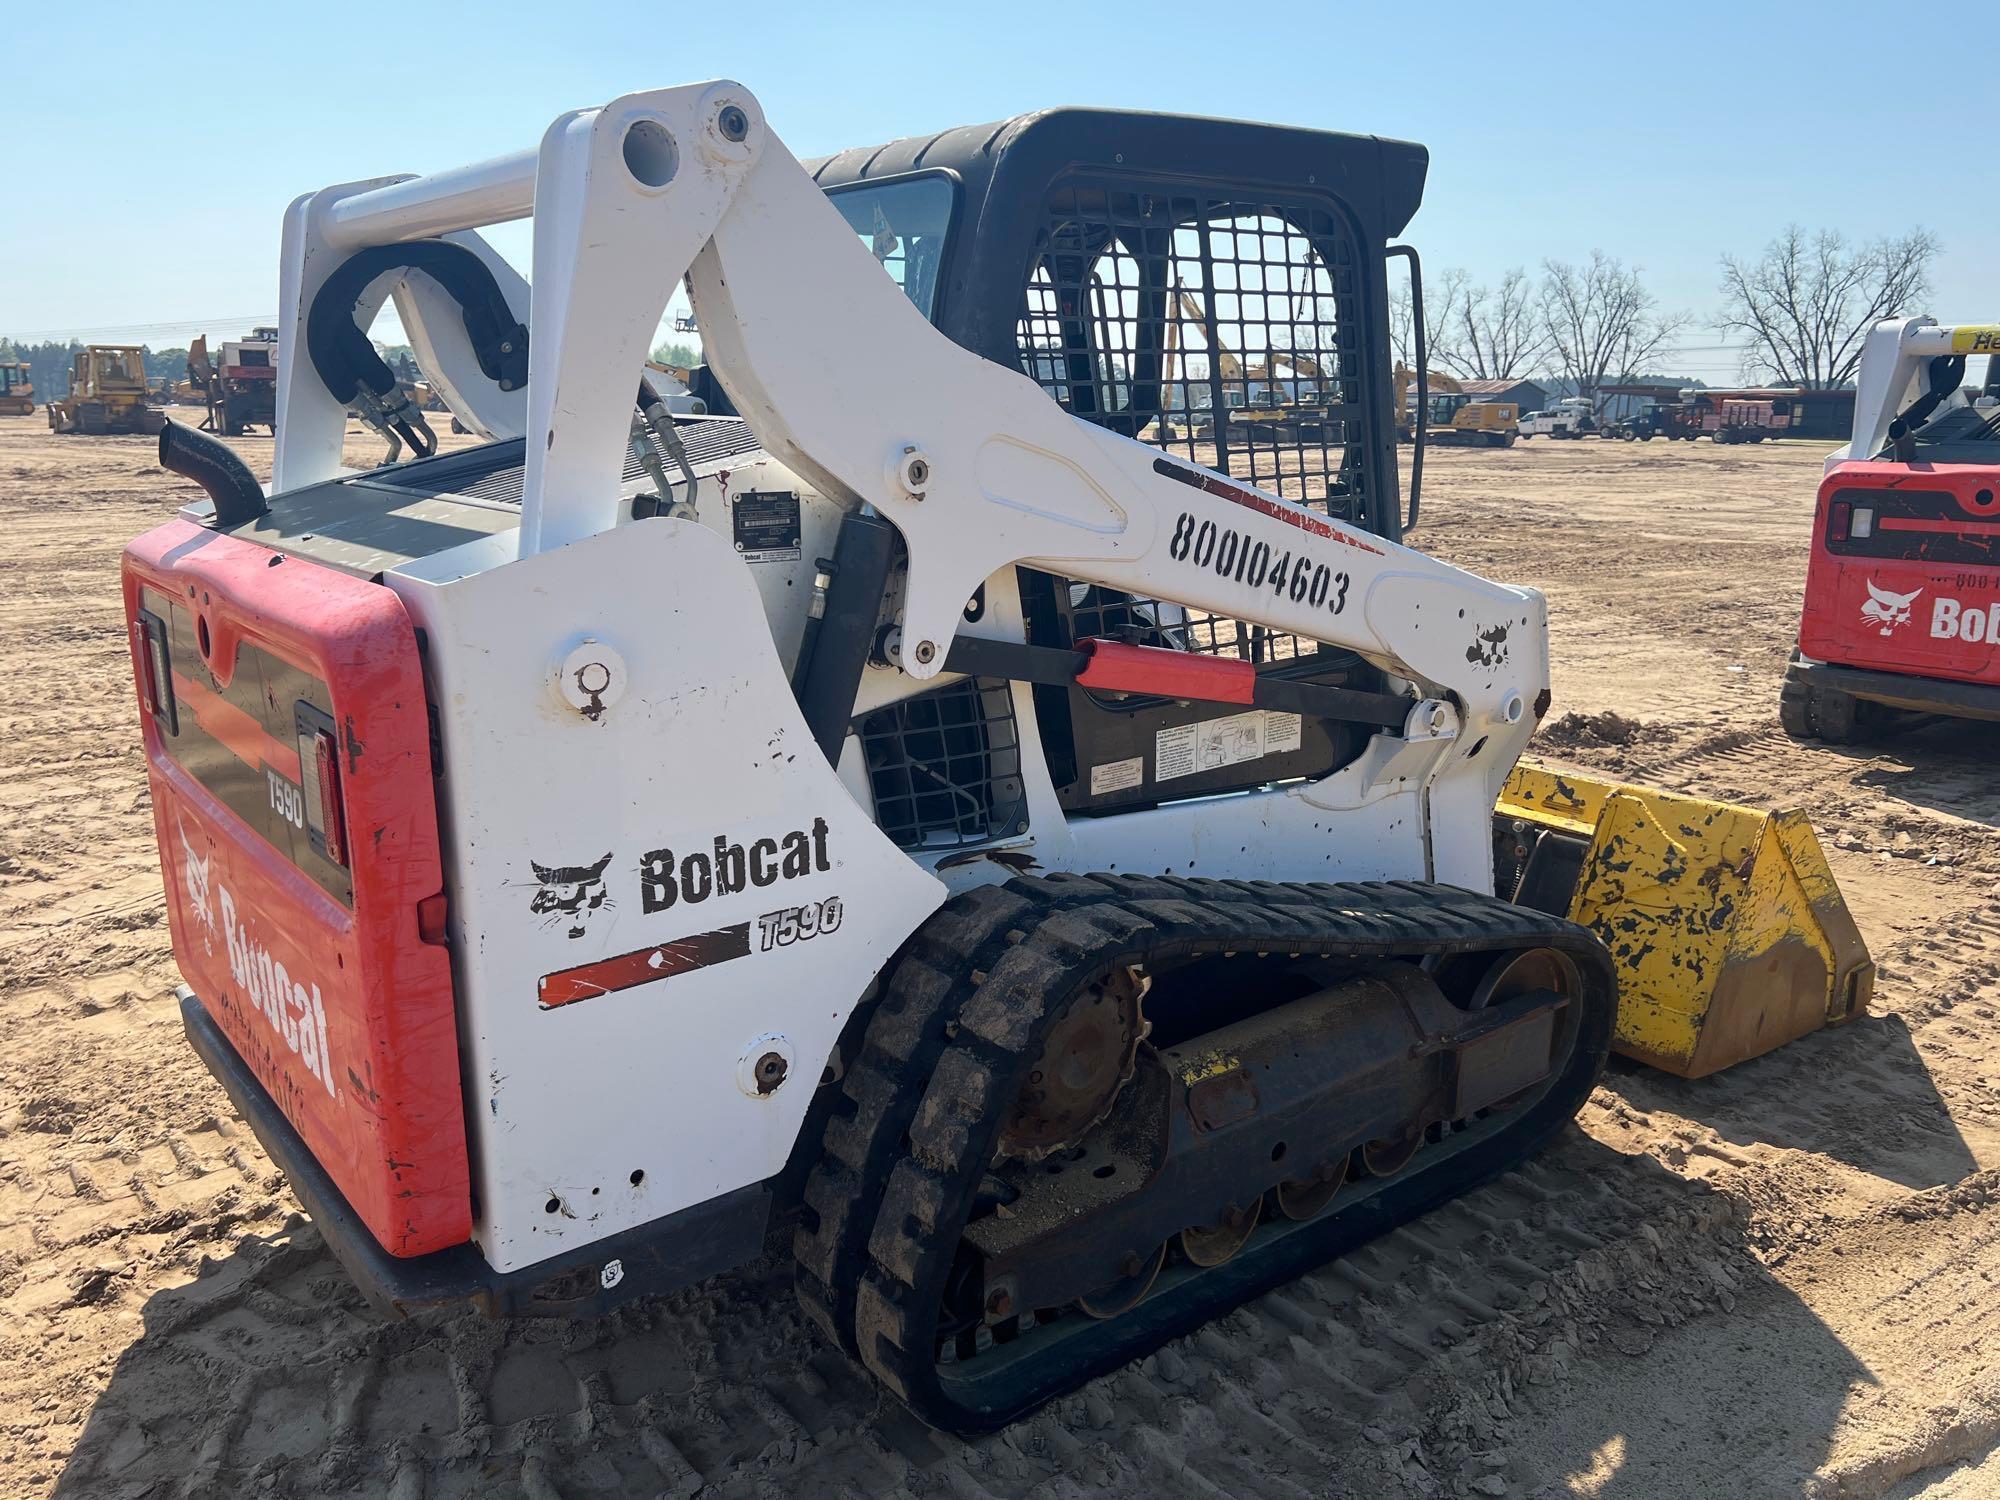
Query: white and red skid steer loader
{"x": 967, "y": 796}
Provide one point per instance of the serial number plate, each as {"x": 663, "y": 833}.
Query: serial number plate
{"x": 765, "y": 524}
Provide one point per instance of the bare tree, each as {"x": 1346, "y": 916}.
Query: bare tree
{"x": 1600, "y": 323}
{"x": 1493, "y": 333}
{"x": 1808, "y": 303}
{"x": 1441, "y": 299}
{"x": 1399, "y": 324}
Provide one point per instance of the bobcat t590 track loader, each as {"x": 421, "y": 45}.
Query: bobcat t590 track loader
{"x": 979, "y": 803}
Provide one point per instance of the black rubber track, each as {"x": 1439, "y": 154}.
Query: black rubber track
{"x": 960, "y": 1019}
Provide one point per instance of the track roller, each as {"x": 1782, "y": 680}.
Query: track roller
{"x": 1139, "y": 1272}
{"x": 1307, "y": 1197}
{"x": 1212, "y": 1244}
{"x": 1388, "y": 1156}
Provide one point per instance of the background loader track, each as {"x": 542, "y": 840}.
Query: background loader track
{"x": 959, "y": 1021}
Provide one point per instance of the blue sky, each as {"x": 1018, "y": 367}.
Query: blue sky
{"x": 1660, "y": 139}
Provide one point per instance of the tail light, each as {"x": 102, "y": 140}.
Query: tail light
{"x": 1836, "y": 526}
{"x": 156, "y": 677}
{"x": 319, "y": 770}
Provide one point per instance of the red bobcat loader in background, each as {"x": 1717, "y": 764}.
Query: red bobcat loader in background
{"x": 1902, "y": 608}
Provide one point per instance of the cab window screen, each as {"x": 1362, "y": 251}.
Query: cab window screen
{"x": 1221, "y": 328}
{"x": 1224, "y": 329}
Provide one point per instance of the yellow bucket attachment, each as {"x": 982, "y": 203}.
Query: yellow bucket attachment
{"x": 1728, "y": 931}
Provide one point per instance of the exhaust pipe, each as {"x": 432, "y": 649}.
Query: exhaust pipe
{"x": 214, "y": 466}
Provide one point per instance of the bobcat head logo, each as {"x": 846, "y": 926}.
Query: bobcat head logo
{"x": 194, "y": 877}
{"x": 569, "y": 894}
{"x": 1886, "y": 609}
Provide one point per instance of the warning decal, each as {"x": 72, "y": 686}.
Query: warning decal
{"x": 1192, "y": 748}
{"x": 1117, "y": 776}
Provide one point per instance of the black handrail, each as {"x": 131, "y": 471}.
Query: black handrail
{"x": 1420, "y": 420}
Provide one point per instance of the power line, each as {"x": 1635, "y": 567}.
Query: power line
{"x": 143, "y": 330}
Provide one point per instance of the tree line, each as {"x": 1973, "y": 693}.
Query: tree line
{"x": 1801, "y": 308}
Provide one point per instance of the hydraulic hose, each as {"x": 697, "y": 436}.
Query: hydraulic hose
{"x": 214, "y": 466}
{"x": 358, "y": 377}
{"x": 347, "y": 362}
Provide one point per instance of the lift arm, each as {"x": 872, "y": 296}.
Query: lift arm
{"x": 843, "y": 379}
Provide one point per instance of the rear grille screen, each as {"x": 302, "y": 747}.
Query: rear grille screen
{"x": 945, "y": 766}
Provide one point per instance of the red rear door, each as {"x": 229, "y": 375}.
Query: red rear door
{"x": 287, "y": 742}
{"x": 1905, "y": 571}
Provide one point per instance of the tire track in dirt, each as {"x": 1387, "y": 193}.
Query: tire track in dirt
{"x": 726, "y": 1386}
{"x": 1711, "y": 1275}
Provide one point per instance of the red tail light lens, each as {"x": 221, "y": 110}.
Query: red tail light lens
{"x": 156, "y": 671}
{"x": 1837, "y": 518}
{"x": 326, "y": 764}
{"x": 319, "y": 773}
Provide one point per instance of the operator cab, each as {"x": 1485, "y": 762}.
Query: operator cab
{"x": 1123, "y": 262}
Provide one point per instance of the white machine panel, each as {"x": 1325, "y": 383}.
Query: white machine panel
{"x": 658, "y": 883}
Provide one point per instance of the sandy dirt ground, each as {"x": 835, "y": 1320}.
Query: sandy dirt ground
{"x": 1777, "y": 1282}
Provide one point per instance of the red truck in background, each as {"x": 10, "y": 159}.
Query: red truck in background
{"x": 1740, "y": 420}
{"x": 1902, "y": 605}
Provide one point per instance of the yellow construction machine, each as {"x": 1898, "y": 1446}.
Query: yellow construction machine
{"x": 17, "y": 390}
{"x": 1278, "y": 395}
{"x": 201, "y": 376}
{"x": 1454, "y": 419}
{"x": 107, "y": 393}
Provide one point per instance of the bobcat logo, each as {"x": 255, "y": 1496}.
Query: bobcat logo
{"x": 571, "y": 893}
{"x": 194, "y": 876}
{"x": 1886, "y": 609}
